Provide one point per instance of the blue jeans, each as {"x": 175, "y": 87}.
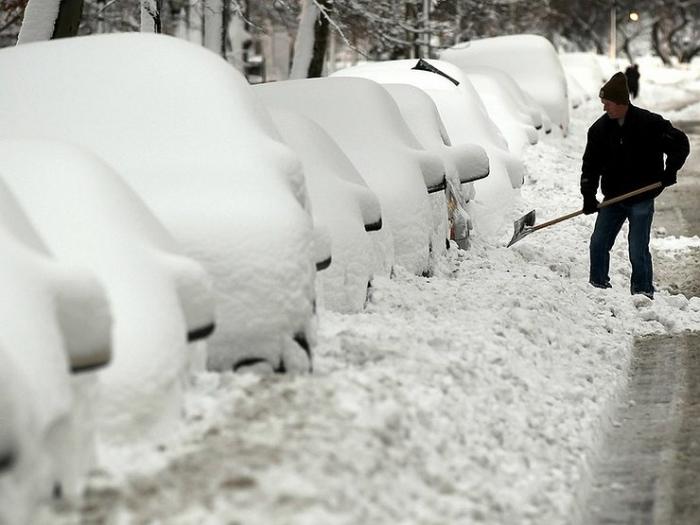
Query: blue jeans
{"x": 607, "y": 225}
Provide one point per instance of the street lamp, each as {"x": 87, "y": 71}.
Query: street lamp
{"x": 634, "y": 16}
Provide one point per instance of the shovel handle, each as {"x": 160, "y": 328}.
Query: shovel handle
{"x": 603, "y": 204}
{"x": 557, "y": 220}
{"x": 630, "y": 194}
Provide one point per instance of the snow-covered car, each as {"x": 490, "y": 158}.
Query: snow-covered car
{"x": 607, "y": 66}
{"x": 343, "y": 204}
{"x": 467, "y": 122}
{"x": 366, "y": 123}
{"x": 160, "y": 300}
{"x": 517, "y": 127}
{"x": 546, "y": 121}
{"x": 464, "y": 163}
{"x": 585, "y": 69}
{"x": 204, "y": 156}
{"x": 531, "y": 60}
{"x": 577, "y": 95}
{"x": 531, "y": 113}
{"x": 53, "y": 316}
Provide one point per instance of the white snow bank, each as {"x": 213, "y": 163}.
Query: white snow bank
{"x": 530, "y": 59}
{"x": 369, "y": 128}
{"x": 203, "y": 155}
{"x": 88, "y": 216}
{"x": 674, "y": 91}
{"x": 691, "y": 112}
{"x": 672, "y": 243}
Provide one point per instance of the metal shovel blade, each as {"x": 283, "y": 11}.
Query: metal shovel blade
{"x": 522, "y": 227}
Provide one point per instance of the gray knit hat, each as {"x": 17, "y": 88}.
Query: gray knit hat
{"x": 615, "y": 89}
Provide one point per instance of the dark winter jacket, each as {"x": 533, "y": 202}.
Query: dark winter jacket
{"x": 624, "y": 158}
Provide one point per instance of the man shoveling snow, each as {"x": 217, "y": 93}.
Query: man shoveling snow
{"x": 625, "y": 151}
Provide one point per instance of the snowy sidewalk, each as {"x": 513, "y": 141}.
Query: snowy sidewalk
{"x": 476, "y": 395}
{"x": 647, "y": 468}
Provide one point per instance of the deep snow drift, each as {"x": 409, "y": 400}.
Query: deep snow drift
{"x": 473, "y": 396}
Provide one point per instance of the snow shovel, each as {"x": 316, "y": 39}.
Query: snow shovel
{"x": 524, "y": 226}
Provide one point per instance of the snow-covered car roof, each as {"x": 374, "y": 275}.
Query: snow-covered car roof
{"x": 517, "y": 127}
{"x": 182, "y": 127}
{"x": 88, "y": 216}
{"x": 345, "y": 208}
{"x": 466, "y": 120}
{"x": 463, "y": 112}
{"x": 525, "y": 107}
{"x": 464, "y": 162}
{"x": 366, "y": 123}
{"x": 52, "y": 315}
{"x": 530, "y": 59}
{"x": 470, "y": 107}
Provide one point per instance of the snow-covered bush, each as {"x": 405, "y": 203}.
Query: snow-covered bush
{"x": 183, "y": 129}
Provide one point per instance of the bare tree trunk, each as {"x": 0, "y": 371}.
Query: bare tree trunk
{"x": 657, "y": 44}
{"x": 68, "y": 21}
{"x": 413, "y": 50}
{"x": 48, "y": 19}
{"x": 627, "y": 49}
{"x": 150, "y": 16}
{"x": 673, "y": 45}
{"x": 332, "y": 47}
{"x": 213, "y": 25}
{"x": 321, "y": 32}
{"x": 311, "y": 39}
{"x": 458, "y": 23}
{"x": 225, "y": 22}
{"x": 627, "y": 39}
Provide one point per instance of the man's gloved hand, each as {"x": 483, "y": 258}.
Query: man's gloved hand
{"x": 590, "y": 204}
{"x": 668, "y": 178}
